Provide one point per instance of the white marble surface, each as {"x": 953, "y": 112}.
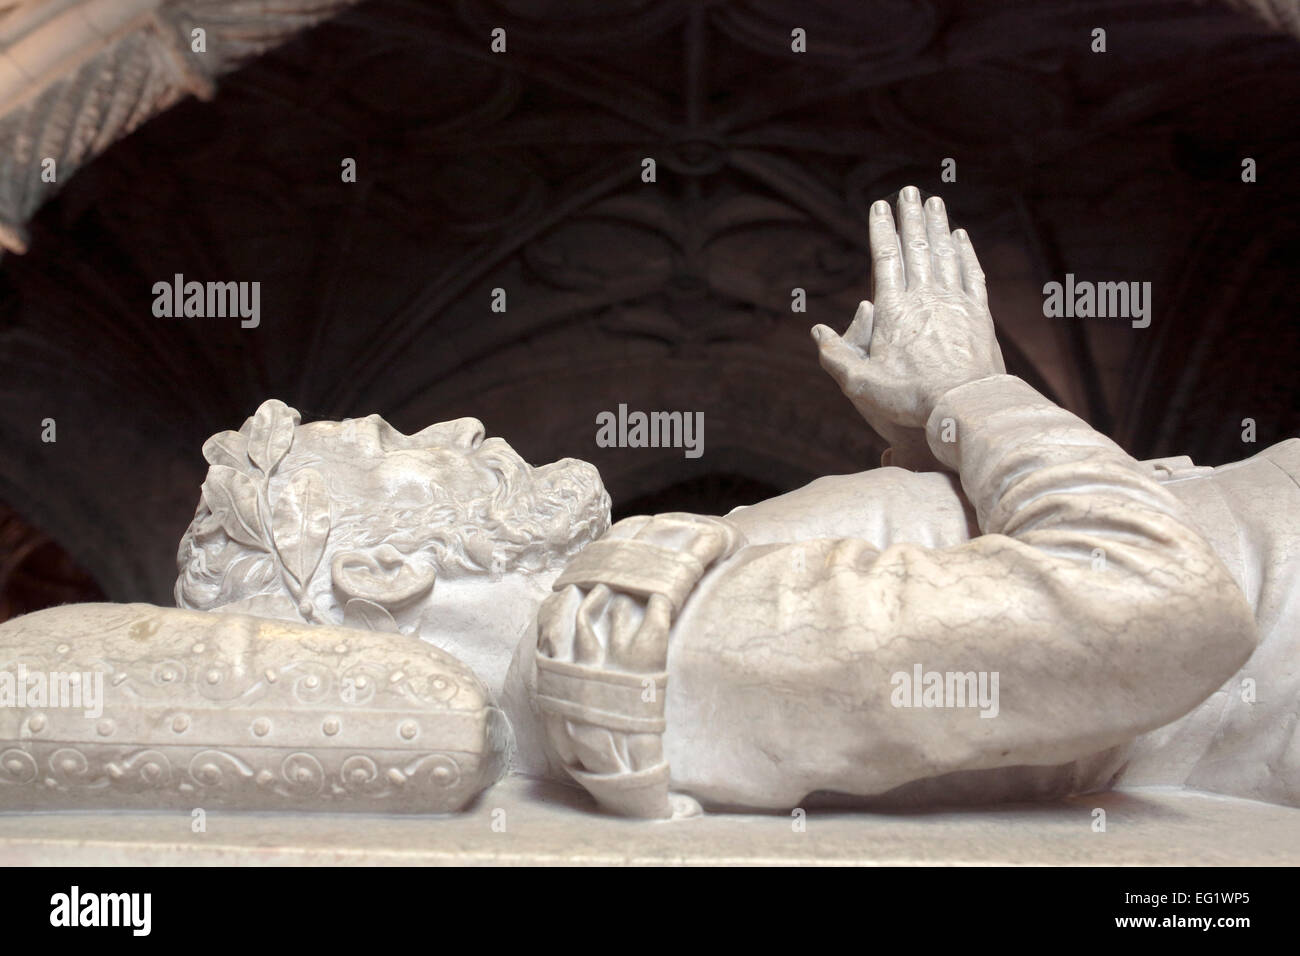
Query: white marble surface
{"x": 792, "y": 638}
{"x": 547, "y": 824}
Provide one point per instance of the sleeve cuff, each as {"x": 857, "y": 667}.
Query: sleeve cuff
{"x": 959, "y": 407}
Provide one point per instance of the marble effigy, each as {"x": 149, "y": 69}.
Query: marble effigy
{"x": 1012, "y": 608}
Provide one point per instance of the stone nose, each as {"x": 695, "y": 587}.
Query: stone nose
{"x": 463, "y": 433}
{"x": 467, "y": 432}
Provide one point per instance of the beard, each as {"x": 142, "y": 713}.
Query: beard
{"x": 536, "y": 519}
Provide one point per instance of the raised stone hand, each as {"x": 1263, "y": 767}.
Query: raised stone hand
{"x": 928, "y": 330}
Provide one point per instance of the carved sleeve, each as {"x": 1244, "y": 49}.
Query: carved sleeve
{"x": 602, "y": 655}
{"x": 1090, "y": 609}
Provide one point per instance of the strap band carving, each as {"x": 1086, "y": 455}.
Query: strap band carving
{"x": 634, "y": 567}
{"x": 604, "y": 705}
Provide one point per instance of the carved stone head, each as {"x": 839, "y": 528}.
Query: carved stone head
{"x": 354, "y": 523}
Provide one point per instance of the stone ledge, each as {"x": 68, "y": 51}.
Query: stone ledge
{"x": 550, "y": 824}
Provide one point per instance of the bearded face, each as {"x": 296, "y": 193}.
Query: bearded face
{"x": 354, "y": 522}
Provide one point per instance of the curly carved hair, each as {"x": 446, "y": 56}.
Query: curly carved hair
{"x": 278, "y": 490}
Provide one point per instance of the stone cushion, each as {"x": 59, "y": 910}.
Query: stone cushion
{"x": 132, "y": 706}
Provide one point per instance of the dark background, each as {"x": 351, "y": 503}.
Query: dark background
{"x": 522, "y": 171}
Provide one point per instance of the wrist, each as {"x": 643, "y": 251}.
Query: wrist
{"x": 948, "y": 419}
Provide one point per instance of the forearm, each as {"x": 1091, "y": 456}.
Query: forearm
{"x": 1101, "y": 610}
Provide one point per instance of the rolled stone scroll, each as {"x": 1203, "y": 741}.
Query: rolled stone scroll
{"x": 131, "y": 706}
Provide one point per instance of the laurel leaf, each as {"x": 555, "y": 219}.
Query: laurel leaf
{"x": 270, "y": 433}
{"x": 300, "y": 525}
{"x": 227, "y": 448}
{"x": 231, "y": 496}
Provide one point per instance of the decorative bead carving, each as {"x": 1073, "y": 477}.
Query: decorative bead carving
{"x": 259, "y": 719}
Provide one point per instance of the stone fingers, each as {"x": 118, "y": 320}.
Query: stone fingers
{"x": 886, "y": 257}
{"x": 943, "y": 252}
{"x": 916, "y": 245}
{"x": 972, "y": 276}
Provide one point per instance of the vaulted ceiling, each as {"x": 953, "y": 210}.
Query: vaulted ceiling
{"x": 522, "y": 171}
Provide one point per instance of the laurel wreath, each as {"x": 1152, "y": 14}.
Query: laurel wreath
{"x": 295, "y": 527}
